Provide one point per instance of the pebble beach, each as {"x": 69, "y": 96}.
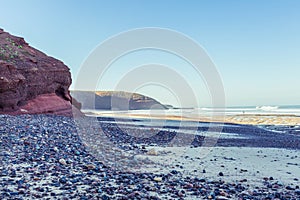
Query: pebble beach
{"x": 45, "y": 157}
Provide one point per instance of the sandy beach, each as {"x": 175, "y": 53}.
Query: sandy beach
{"x": 251, "y": 119}
{"x": 238, "y": 164}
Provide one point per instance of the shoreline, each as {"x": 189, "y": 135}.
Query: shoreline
{"x": 249, "y": 119}
{"x": 248, "y": 165}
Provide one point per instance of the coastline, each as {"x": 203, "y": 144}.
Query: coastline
{"x": 250, "y": 119}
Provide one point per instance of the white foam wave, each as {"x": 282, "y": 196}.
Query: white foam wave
{"x": 267, "y": 108}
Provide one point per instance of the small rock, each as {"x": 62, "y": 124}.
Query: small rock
{"x": 62, "y": 161}
{"x": 157, "y": 179}
{"x": 90, "y": 166}
{"x": 152, "y": 152}
{"x": 105, "y": 197}
{"x": 221, "y": 198}
{"x": 245, "y": 193}
{"x": 289, "y": 188}
{"x": 21, "y": 191}
{"x": 202, "y": 180}
{"x": 63, "y": 179}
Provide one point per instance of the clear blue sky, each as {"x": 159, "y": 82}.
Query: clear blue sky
{"x": 254, "y": 44}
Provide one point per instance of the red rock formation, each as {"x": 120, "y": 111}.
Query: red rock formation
{"x": 30, "y": 81}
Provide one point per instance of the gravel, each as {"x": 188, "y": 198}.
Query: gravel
{"x": 44, "y": 157}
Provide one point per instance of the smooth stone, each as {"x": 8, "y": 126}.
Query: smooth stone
{"x": 157, "y": 179}
{"x": 105, "y": 197}
{"x": 152, "y": 152}
{"x": 221, "y": 198}
{"x": 63, "y": 179}
{"x": 62, "y": 161}
{"x": 90, "y": 166}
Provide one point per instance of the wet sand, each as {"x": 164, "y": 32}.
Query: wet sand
{"x": 250, "y": 119}
{"x": 237, "y": 164}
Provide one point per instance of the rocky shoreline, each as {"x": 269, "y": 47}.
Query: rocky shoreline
{"x": 245, "y": 135}
{"x": 44, "y": 157}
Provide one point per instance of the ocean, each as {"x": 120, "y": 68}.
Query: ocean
{"x": 207, "y": 111}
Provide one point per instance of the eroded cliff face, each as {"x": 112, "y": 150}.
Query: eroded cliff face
{"x": 30, "y": 81}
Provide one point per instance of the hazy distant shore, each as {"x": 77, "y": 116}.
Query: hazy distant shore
{"x": 250, "y": 119}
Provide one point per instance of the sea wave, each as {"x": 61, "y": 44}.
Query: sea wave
{"x": 267, "y": 108}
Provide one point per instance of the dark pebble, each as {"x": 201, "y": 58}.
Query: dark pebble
{"x": 49, "y": 139}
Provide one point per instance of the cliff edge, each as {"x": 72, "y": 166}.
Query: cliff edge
{"x": 30, "y": 81}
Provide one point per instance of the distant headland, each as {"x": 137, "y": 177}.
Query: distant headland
{"x": 116, "y": 100}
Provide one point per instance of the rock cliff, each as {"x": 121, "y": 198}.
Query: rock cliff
{"x": 30, "y": 81}
{"x": 116, "y": 100}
